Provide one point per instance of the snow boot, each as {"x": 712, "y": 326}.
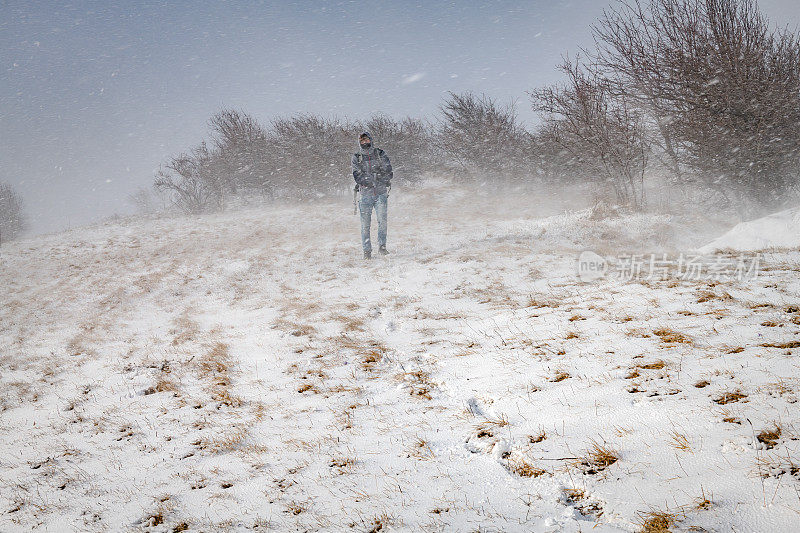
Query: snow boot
{"x": 367, "y": 255}
{"x": 383, "y": 251}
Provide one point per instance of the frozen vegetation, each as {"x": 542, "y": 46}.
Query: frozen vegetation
{"x": 248, "y": 371}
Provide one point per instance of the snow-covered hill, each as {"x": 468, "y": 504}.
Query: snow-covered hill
{"x": 248, "y": 371}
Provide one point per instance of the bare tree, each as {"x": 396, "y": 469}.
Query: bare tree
{"x": 408, "y": 142}
{"x": 241, "y": 149}
{"x": 13, "y": 220}
{"x": 144, "y": 200}
{"x": 192, "y": 181}
{"x": 603, "y": 133}
{"x": 720, "y": 86}
{"x": 482, "y": 137}
{"x": 308, "y": 154}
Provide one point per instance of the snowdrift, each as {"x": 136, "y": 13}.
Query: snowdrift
{"x": 779, "y": 230}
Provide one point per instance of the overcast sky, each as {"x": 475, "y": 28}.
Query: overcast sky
{"x": 94, "y": 95}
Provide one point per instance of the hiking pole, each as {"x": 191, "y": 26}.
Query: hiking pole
{"x": 355, "y": 202}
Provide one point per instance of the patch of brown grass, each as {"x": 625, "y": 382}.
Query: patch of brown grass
{"x": 306, "y": 387}
{"x": 342, "y": 464}
{"x": 577, "y": 498}
{"x": 418, "y": 382}
{"x": 655, "y": 365}
{"x": 349, "y": 323}
{"x": 537, "y": 438}
{"x": 705, "y": 296}
{"x": 769, "y": 437}
{"x": 541, "y": 302}
{"x": 296, "y": 508}
{"x": 680, "y": 441}
{"x": 488, "y": 426}
{"x": 729, "y": 397}
{"x": 657, "y": 521}
{"x": 215, "y": 361}
{"x": 370, "y": 360}
{"x": 573, "y": 495}
{"x": 225, "y": 442}
{"x": 559, "y": 376}
{"x": 597, "y": 458}
{"x": 522, "y": 467}
{"x": 702, "y": 384}
{"x": 670, "y": 336}
{"x": 782, "y": 345}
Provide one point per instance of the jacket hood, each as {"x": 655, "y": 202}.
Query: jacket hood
{"x": 368, "y": 134}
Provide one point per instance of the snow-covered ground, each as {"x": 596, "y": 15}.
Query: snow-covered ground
{"x": 779, "y": 230}
{"x": 248, "y": 371}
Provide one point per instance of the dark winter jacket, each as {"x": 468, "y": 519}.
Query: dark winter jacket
{"x": 372, "y": 169}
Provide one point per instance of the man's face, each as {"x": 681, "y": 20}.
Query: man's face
{"x": 364, "y": 140}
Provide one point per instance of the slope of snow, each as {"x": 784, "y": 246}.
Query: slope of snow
{"x": 779, "y": 230}
{"x": 248, "y": 371}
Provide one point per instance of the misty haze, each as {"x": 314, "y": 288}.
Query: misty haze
{"x": 437, "y": 266}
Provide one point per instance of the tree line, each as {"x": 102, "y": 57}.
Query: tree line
{"x": 704, "y": 94}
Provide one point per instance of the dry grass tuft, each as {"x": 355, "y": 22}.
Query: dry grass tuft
{"x": 573, "y": 496}
{"x": 680, "y": 441}
{"x": 729, "y": 397}
{"x": 349, "y": 323}
{"x": 560, "y": 375}
{"x": 769, "y": 437}
{"x": 702, "y": 502}
{"x": 705, "y": 296}
{"x": 539, "y": 437}
{"x": 523, "y": 468}
{"x": 370, "y": 360}
{"x": 306, "y": 387}
{"x": 657, "y": 521}
{"x": 539, "y": 303}
{"x": 215, "y": 361}
{"x": 782, "y": 345}
{"x": 577, "y": 498}
{"x": 225, "y": 442}
{"x": 418, "y": 382}
{"x": 342, "y": 464}
{"x": 488, "y": 426}
{"x": 296, "y": 508}
{"x": 216, "y": 367}
{"x": 163, "y": 385}
{"x": 670, "y": 336}
{"x": 295, "y": 329}
{"x": 598, "y": 458}
{"x": 702, "y": 384}
{"x": 655, "y": 365}
{"x": 777, "y": 466}
{"x": 420, "y": 449}
{"x": 380, "y": 523}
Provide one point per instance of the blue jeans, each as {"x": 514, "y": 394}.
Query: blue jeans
{"x": 367, "y": 202}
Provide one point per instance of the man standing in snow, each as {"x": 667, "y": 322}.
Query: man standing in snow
{"x": 373, "y": 174}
